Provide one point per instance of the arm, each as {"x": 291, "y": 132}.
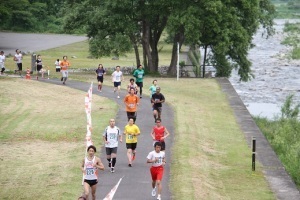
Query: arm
{"x": 82, "y": 166}
{"x": 104, "y": 140}
{"x": 152, "y": 134}
{"x": 166, "y": 134}
{"x": 152, "y": 161}
{"x": 99, "y": 164}
{"x": 120, "y": 138}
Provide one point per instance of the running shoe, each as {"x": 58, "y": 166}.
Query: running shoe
{"x": 158, "y": 197}
{"x": 153, "y": 193}
{"x": 109, "y": 164}
{"x": 112, "y": 170}
{"x": 118, "y": 97}
{"x": 133, "y": 156}
{"x": 129, "y": 165}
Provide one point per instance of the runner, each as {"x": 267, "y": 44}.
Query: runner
{"x": 2, "y": 61}
{"x": 117, "y": 78}
{"x": 159, "y": 134}
{"x": 152, "y": 88}
{"x": 132, "y": 84}
{"x": 111, "y": 136}
{"x": 157, "y": 100}
{"x": 65, "y": 64}
{"x": 131, "y": 102}
{"x": 131, "y": 131}
{"x": 18, "y": 59}
{"x": 100, "y": 74}
{"x": 157, "y": 158}
{"x": 39, "y": 67}
{"x": 139, "y": 75}
{"x": 89, "y": 167}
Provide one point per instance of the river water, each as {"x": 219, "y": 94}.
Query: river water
{"x": 276, "y": 76}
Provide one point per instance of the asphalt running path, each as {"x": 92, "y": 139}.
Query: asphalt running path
{"x": 136, "y": 182}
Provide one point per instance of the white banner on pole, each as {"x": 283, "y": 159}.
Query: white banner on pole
{"x": 112, "y": 192}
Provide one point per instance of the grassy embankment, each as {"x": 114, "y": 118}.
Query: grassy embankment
{"x": 42, "y": 129}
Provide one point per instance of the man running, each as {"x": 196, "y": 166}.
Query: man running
{"x": 117, "y": 78}
{"x": 157, "y": 158}
{"x": 111, "y": 136}
{"x": 159, "y": 134}
{"x": 139, "y": 75}
{"x": 157, "y": 100}
{"x": 100, "y": 74}
{"x": 131, "y": 102}
{"x": 131, "y": 131}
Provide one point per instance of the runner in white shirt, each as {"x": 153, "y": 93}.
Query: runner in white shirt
{"x": 157, "y": 158}
{"x": 117, "y": 78}
{"x": 18, "y": 59}
{"x": 89, "y": 167}
{"x": 2, "y": 61}
{"x": 111, "y": 136}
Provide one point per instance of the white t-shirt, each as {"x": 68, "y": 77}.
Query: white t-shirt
{"x": 90, "y": 171}
{"x": 19, "y": 58}
{"x": 2, "y": 58}
{"x": 117, "y": 75}
{"x": 112, "y": 136}
{"x": 57, "y": 64}
{"x": 152, "y": 155}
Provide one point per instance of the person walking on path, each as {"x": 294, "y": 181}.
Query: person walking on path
{"x": 2, "y": 61}
{"x": 39, "y": 67}
{"x": 18, "y": 59}
{"x": 65, "y": 64}
{"x": 157, "y": 99}
{"x": 117, "y": 78}
{"x": 89, "y": 167}
{"x": 100, "y": 75}
{"x": 111, "y": 136}
{"x": 152, "y": 88}
{"x": 131, "y": 131}
{"x": 133, "y": 85}
{"x": 139, "y": 75}
{"x": 159, "y": 134}
{"x": 131, "y": 102}
{"x": 157, "y": 158}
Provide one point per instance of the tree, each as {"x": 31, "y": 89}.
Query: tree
{"x": 226, "y": 27}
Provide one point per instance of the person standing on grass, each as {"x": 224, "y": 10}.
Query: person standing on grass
{"x": 157, "y": 99}
{"x": 132, "y": 84}
{"x": 100, "y": 74}
{"x": 2, "y": 61}
{"x": 159, "y": 134}
{"x": 18, "y": 59}
{"x": 39, "y": 66}
{"x": 111, "y": 136}
{"x": 89, "y": 167}
{"x": 117, "y": 78}
{"x": 57, "y": 65}
{"x": 131, "y": 131}
{"x": 157, "y": 158}
{"x": 139, "y": 75}
{"x": 131, "y": 102}
{"x": 64, "y": 65}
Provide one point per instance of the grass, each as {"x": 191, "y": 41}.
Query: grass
{"x": 286, "y": 9}
{"x": 292, "y": 38}
{"x": 210, "y": 157}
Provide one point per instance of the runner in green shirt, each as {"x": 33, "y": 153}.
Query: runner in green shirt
{"x": 139, "y": 75}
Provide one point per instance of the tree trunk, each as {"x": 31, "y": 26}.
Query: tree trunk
{"x": 179, "y": 37}
{"x": 136, "y": 50}
{"x": 146, "y": 45}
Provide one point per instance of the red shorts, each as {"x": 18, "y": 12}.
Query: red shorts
{"x": 157, "y": 173}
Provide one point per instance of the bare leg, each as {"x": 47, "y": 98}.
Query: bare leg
{"x": 129, "y": 155}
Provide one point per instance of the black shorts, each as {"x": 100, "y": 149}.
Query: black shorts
{"x": 57, "y": 69}
{"x": 39, "y": 67}
{"x": 140, "y": 84}
{"x": 131, "y": 115}
{"x": 157, "y": 108}
{"x": 19, "y": 66}
{"x": 100, "y": 79}
{"x": 117, "y": 84}
{"x": 109, "y": 151}
{"x": 131, "y": 146}
{"x": 91, "y": 182}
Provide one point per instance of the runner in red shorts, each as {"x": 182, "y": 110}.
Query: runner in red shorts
{"x": 157, "y": 158}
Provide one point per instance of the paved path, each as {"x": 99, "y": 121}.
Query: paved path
{"x": 136, "y": 182}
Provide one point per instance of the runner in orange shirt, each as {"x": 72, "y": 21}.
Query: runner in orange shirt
{"x": 131, "y": 102}
{"x": 64, "y": 65}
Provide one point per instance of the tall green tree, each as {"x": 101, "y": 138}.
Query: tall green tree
{"x": 225, "y": 27}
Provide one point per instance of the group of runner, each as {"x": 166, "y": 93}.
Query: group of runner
{"x": 112, "y": 134}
